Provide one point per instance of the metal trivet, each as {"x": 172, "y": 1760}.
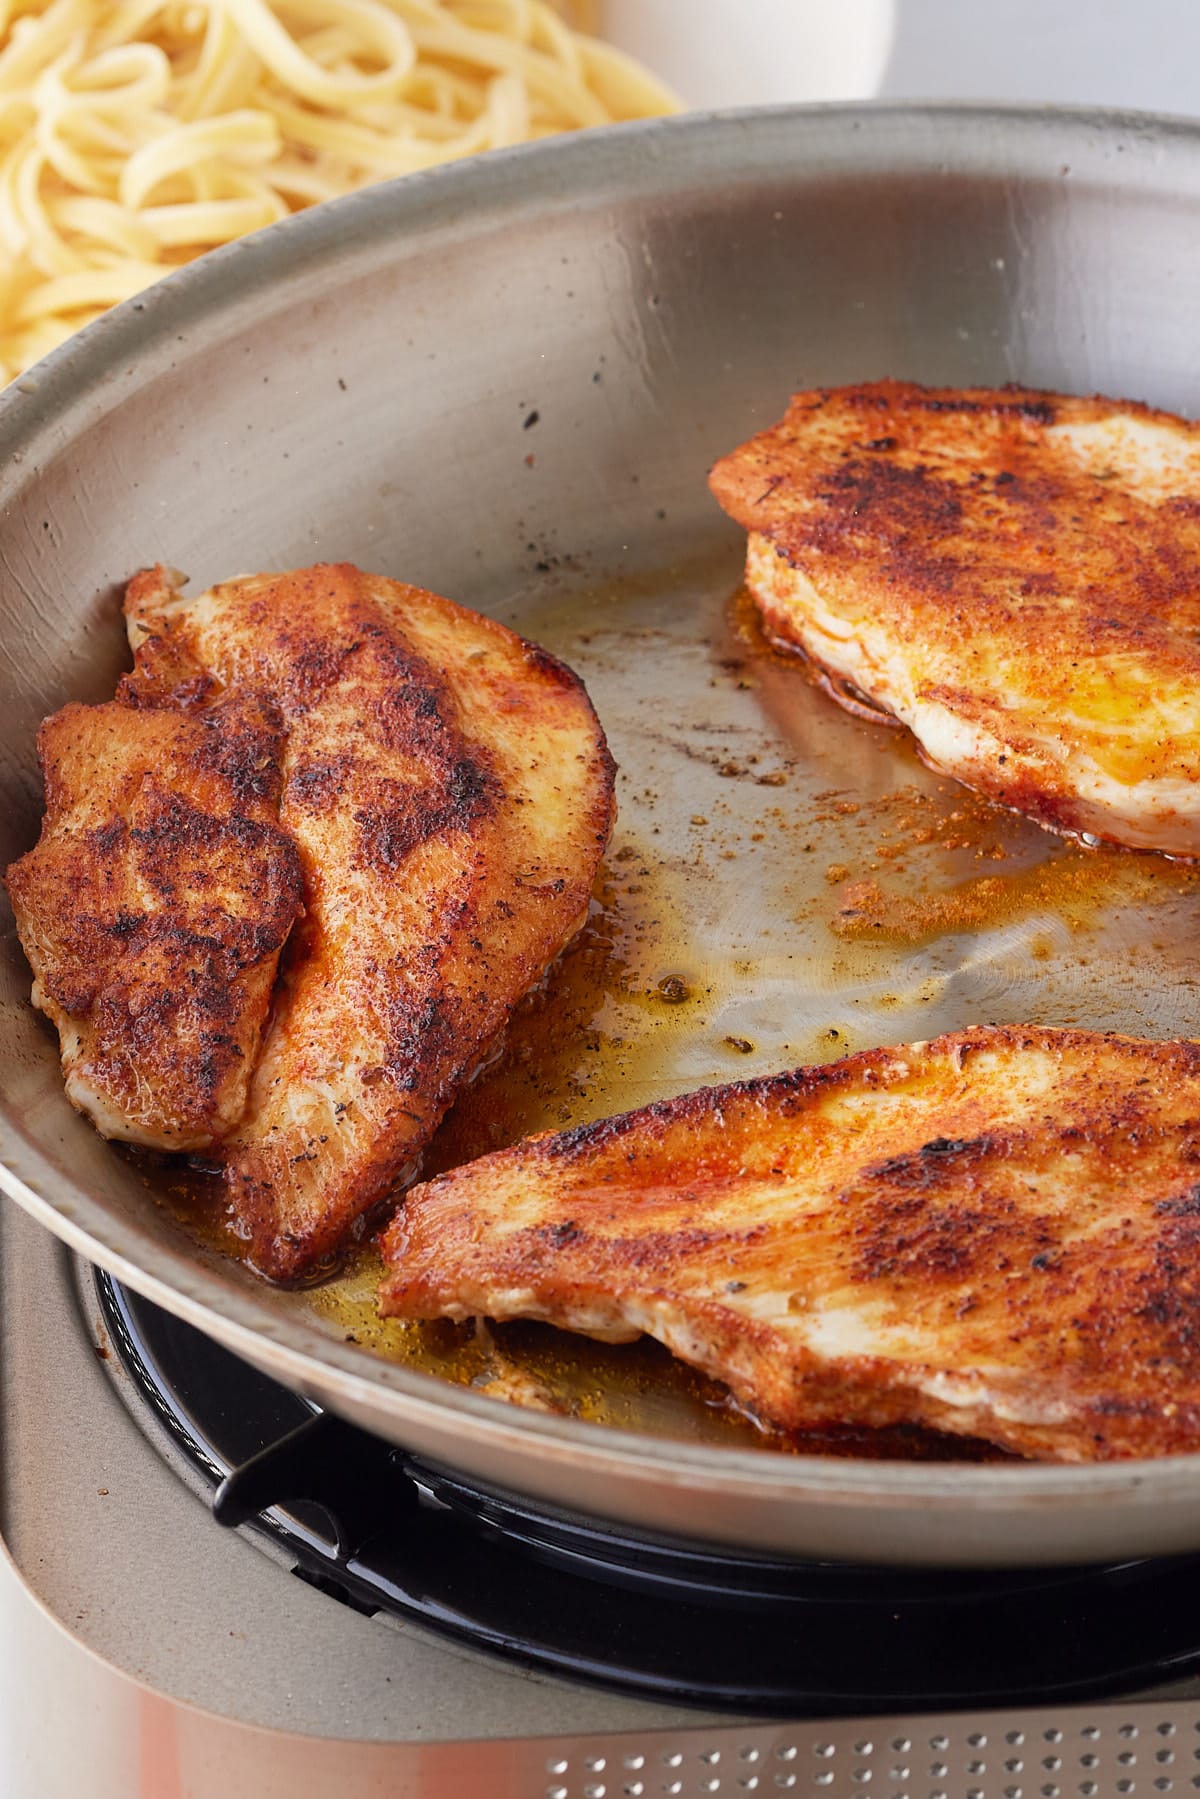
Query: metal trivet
{"x": 378, "y": 1530}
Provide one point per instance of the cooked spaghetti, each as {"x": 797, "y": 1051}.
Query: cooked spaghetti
{"x": 136, "y": 134}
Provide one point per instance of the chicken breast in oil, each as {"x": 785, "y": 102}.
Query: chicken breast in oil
{"x": 450, "y": 794}
{"x": 996, "y": 1233}
{"x": 1013, "y": 575}
{"x": 154, "y": 908}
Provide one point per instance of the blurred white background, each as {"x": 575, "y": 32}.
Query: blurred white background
{"x": 1136, "y": 53}
{"x": 748, "y": 52}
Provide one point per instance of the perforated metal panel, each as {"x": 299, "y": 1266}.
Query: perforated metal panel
{"x": 1095, "y": 1752}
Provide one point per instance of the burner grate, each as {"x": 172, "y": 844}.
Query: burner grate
{"x": 379, "y": 1530}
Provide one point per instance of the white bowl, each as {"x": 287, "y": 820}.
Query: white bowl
{"x": 754, "y": 52}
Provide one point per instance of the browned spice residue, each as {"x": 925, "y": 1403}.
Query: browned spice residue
{"x": 1068, "y": 886}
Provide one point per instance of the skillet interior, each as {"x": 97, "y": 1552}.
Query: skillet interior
{"x": 506, "y": 381}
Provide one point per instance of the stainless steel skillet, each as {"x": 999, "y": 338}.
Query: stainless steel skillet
{"x": 506, "y": 381}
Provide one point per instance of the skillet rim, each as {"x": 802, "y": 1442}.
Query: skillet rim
{"x": 102, "y": 366}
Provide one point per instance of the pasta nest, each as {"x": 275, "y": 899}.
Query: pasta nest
{"x": 136, "y": 134}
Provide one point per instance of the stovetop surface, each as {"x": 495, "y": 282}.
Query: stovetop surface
{"x": 127, "y": 1558}
{"x": 647, "y": 1614}
{"x": 133, "y": 1565}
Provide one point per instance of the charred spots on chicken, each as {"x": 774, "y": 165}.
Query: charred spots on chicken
{"x": 316, "y": 785}
{"x": 910, "y": 494}
{"x": 583, "y": 1139}
{"x": 917, "y": 1236}
{"x": 1034, "y": 410}
{"x": 1117, "y": 1407}
{"x": 788, "y": 1091}
{"x": 1171, "y": 1285}
{"x": 935, "y": 1163}
{"x": 655, "y": 1250}
{"x": 242, "y": 745}
{"x": 166, "y": 827}
{"x": 419, "y": 1037}
{"x": 313, "y": 667}
{"x": 469, "y": 789}
{"x": 106, "y": 839}
{"x": 462, "y": 791}
{"x": 132, "y": 1023}
{"x": 1182, "y": 1205}
{"x": 409, "y": 705}
{"x": 193, "y": 861}
{"x": 560, "y": 1236}
{"x": 911, "y": 514}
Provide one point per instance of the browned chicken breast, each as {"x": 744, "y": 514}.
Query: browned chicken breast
{"x": 1013, "y": 575}
{"x": 154, "y": 908}
{"x": 996, "y": 1233}
{"x": 450, "y": 794}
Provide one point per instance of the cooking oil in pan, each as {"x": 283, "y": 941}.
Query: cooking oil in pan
{"x": 786, "y": 883}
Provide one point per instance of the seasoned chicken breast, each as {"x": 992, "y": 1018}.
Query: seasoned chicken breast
{"x": 1012, "y": 574}
{"x": 449, "y": 793}
{"x": 154, "y": 908}
{"x": 996, "y": 1233}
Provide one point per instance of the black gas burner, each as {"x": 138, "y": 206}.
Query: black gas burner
{"x": 382, "y": 1531}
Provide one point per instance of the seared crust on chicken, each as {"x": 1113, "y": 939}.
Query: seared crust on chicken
{"x": 1012, "y": 574}
{"x": 996, "y": 1233}
{"x": 450, "y": 794}
{"x": 154, "y": 908}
